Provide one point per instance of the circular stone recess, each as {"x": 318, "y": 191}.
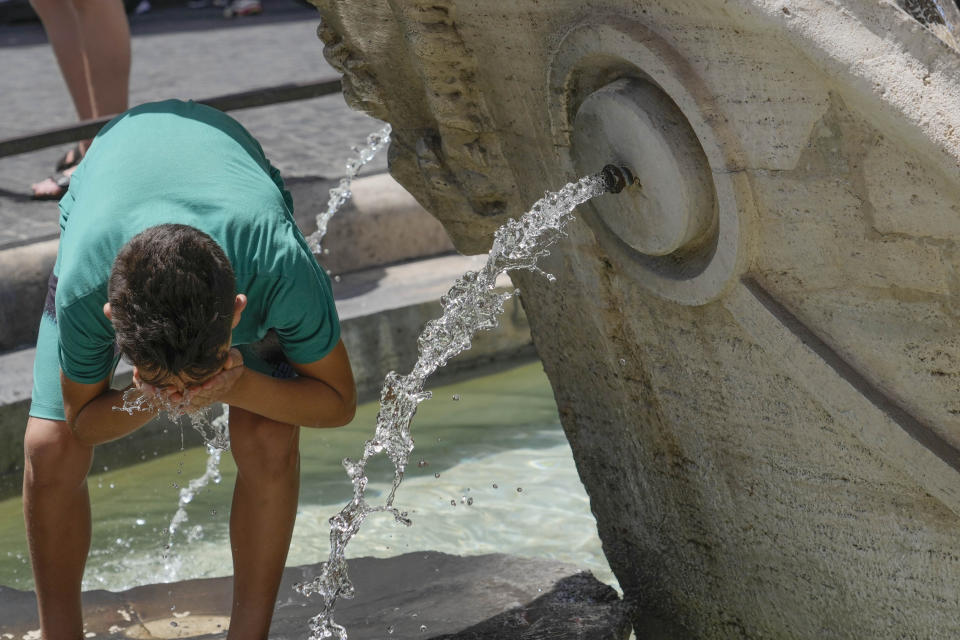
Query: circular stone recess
{"x": 633, "y": 123}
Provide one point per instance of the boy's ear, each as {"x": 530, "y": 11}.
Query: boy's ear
{"x": 239, "y": 304}
{"x": 106, "y": 311}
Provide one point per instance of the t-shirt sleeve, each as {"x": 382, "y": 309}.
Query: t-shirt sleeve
{"x": 303, "y": 313}
{"x": 86, "y": 340}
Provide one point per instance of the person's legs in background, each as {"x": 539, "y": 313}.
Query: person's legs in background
{"x": 91, "y": 41}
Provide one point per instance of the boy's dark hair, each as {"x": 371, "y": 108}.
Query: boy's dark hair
{"x": 171, "y": 293}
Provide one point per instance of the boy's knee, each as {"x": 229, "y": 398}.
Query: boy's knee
{"x": 53, "y": 456}
{"x": 264, "y": 448}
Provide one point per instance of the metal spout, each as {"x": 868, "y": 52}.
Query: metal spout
{"x": 615, "y": 178}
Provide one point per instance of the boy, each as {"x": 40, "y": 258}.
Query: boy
{"x": 179, "y": 251}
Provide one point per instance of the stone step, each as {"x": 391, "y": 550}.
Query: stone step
{"x": 423, "y": 595}
{"x": 381, "y": 224}
{"x": 382, "y": 311}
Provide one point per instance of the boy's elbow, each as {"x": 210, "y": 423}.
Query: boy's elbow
{"x": 348, "y": 414}
{"x": 345, "y": 413}
{"x": 349, "y": 408}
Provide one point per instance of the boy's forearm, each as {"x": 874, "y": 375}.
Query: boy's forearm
{"x": 301, "y": 401}
{"x": 100, "y": 422}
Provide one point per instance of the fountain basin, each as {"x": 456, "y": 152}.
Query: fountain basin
{"x": 423, "y": 595}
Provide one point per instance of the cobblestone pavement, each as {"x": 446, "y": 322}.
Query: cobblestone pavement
{"x": 182, "y": 53}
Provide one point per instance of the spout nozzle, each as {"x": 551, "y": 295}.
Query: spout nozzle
{"x": 615, "y": 178}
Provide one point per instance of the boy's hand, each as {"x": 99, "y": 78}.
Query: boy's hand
{"x": 215, "y": 388}
{"x": 201, "y": 395}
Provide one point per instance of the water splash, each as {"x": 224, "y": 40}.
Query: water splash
{"x": 217, "y": 442}
{"x": 341, "y": 193}
{"x": 216, "y": 436}
{"x": 472, "y": 304}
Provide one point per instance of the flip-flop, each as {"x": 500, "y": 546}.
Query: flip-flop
{"x": 70, "y": 159}
{"x": 62, "y": 180}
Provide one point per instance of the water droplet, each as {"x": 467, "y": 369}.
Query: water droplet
{"x": 463, "y": 499}
{"x": 106, "y": 468}
{"x": 423, "y": 463}
{"x": 175, "y": 485}
{"x": 469, "y": 502}
{"x": 213, "y": 512}
{"x": 456, "y": 397}
{"x": 436, "y": 475}
{"x": 453, "y": 503}
{"x": 519, "y": 489}
{"x": 390, "y": 629}
{"x": 111, "y": 485}
{"x": 423, "y": 628}
{"x": 326, "y": 252}
{"x": 140, "y": 522}
{"x": 336, "y": 278}
{"x": 174, "y": 624}
{"x": 173, "y": 607}
{"x": 623, "y": 362}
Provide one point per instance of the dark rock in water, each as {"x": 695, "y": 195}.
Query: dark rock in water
{"x": 422, "y": 595}
{"x": 578, "y": 606}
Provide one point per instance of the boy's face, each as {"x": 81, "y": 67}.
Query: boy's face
{"x": 163, "y": 383}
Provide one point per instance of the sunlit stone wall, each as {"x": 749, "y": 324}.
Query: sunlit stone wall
{"x": 755, "y": 350}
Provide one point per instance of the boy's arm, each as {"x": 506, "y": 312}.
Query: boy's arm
{"x": 90, "y": 411}
{"x": 322, "y": 395}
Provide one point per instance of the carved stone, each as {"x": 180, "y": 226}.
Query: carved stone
{"x": 755, "y": 350}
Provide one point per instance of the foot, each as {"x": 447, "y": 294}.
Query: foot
{"x": 53, "y": 187}
{"x": 70, "y": 159}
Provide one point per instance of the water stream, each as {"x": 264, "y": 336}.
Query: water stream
{"x": 472, "y": 304}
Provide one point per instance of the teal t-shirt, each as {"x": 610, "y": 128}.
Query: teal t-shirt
{"x": 181, "y": 162}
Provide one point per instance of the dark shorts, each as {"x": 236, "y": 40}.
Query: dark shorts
{"x": 265, "y": 356}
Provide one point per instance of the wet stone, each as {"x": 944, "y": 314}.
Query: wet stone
{"x": 454, "y": 598}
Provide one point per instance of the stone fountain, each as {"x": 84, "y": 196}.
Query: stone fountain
{"x": 755, "y": 349}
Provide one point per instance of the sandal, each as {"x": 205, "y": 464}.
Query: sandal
{"x": 70, "y": 159}
{"x": 61, "y": 180}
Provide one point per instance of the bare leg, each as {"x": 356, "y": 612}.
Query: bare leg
{"x": 62, "y": 24}
{"x": 91, "y": 41}
{"x": 55, "y": 501}
{"x": 261, "y": 520}
{"x": 105, "y": 34}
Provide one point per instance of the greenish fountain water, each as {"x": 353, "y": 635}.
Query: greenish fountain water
{"x": 503, "y": 430}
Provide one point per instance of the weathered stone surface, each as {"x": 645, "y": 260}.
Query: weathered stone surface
{"x": 423, "y": 595}
{"x": 765, "y": 416}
